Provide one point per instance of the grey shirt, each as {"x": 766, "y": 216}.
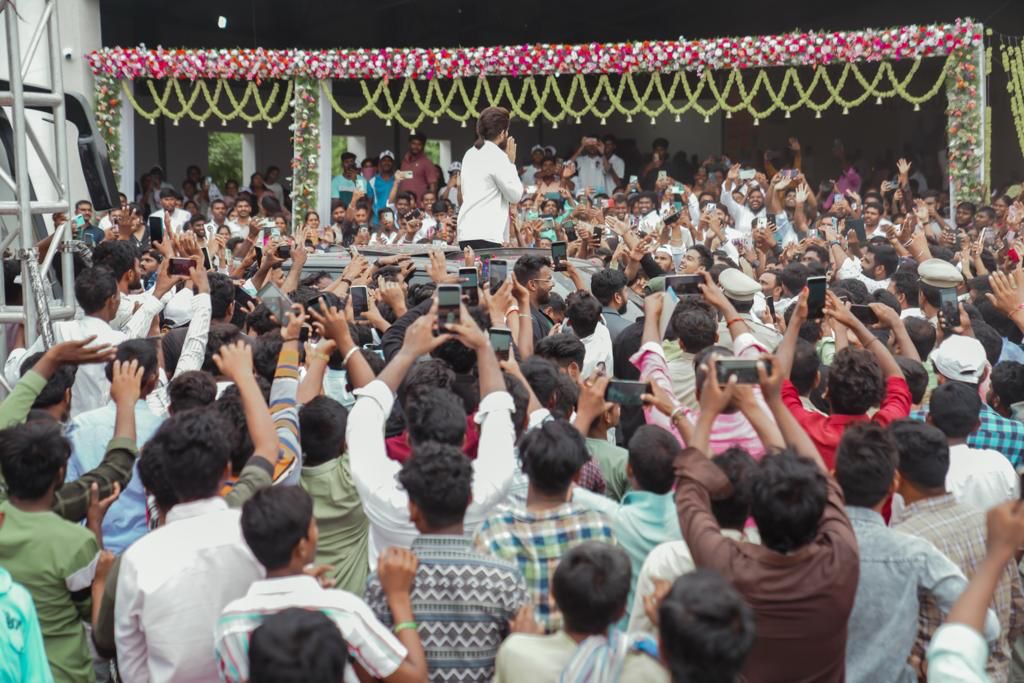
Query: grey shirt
{"x": 614, "y": 321}
{"x": 894, "y": 566}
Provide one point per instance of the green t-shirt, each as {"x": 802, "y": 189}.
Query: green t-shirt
{"x": 54, "y": 559}
{"x": 612, "y": 461}
{"x": 344, "y": 529}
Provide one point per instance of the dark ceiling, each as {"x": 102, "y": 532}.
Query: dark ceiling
{"x": 402, "y": 23}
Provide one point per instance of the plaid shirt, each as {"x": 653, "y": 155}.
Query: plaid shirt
{"x": 536, "y": 542}
{"x": 995, "y": 432}
{"x": 959, "y": 530}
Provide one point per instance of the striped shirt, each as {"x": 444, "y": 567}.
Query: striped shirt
{"x": 285, "y": 411}
{"x": 463, "y": 601}
{"x": 369, "y": 642}
{"x": 958, "y": 530}
{"x": 536, "y": 541}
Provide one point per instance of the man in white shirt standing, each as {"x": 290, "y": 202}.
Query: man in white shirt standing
{"x": 874, "y": 268}
{"x": 983, "y": 478}
{"x": 174, "y": 219}
{"x": 385, "y": 502}
{"x": 596, "y": 168}
{"x": 490, "y": 182}
{"x": 175, "y": 580}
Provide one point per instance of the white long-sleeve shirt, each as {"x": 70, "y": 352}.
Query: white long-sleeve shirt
{"x": 742, "y": 217}
{"x": 193, "y": 351}
{"x": 375, "y": 475}
{"x": 490, "y": 182}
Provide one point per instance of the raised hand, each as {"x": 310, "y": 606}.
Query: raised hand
{"x": 332, "y": 324}
{"x": 126, "y": 382}
{"x": 234, "y": 360}
{"x": 78, "y": 352}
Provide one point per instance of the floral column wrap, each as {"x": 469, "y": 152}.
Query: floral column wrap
{"x": 108, "y": 117}
{"x": 965, "y": 119}
{"x": 306, "y": 144}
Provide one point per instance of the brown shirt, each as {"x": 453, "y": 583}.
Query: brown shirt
{"x": 424, "y": 175}
{"x": 801, "y": 600}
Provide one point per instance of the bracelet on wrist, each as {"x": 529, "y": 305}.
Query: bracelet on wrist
{"x": 404, "y": 626}
{"x": 676, "y": 413}
{"x": 728, "y": 323}
{"x": 344, "y": 361}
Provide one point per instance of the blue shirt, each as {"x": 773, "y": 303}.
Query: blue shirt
{"x": 22, "y": 655}
{"x": 340, "y": 184}
{"x": 89, "y": 434}
{"x": 995, "y": 432}
{"x": 1011, "y": 351}
{"x": 381, "y": 190}
{"x": 640, "y": 522}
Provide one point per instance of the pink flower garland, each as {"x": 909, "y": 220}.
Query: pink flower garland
{"x": 791, "y": 49}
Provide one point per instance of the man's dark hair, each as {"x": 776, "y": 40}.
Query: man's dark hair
{"x": 924, "y": 453}
{"x": 194, "y": 449}
{"x": 805, "y": 366}
{"x": 732, "y": 512}
{"x": 231, "y": 411}
{"x": 31, "y": 457}
{"x": 461, "y": 358}
{"x": 884, "y": 296}
{"x": 552, "y": 454}
{"x": 591, "y": 585}
{"x": 322, "y": 424}
{"x": 695, "y": 324}
{"x": 707, "y": 260}
{"x": 222, "y": 295}
{"x": 118, "y": 256}
{"x": 439, "y": 480}
{"x": 866, "y": 464}
{"x": 606, "y": 283}
{"x": 916, "y": 375}
{"x": 436, "y": 415}
{"x": 905, "y": 283}
{"x": 193, "y": 389}
{"x": 528, "y": 267}
{"x": 854, "y": 290}
{"x": 787, "y": 498}
{"x": 990, "y": 340}
{"x": 56, "y": 386}
{"x": 705, "y": 629}
{"x": 793, "y": 277}
{"x": 297, "y": 645}
{"x": 520, "y": 399}
{"x": 562, "y": 348}
{"x": 999, "y": 321}
{"x": 931, "y": 294}
{"x": 274, "y": 520}
{"x": 955, "y": 408}
{"x": 555, "y": 304}
{"x": 922, "y": 335}
{"x": 426, "y": 374}
{"x": 141, "y": 350}
{"x": 542, "y": 376}
{"x": 94, "y": 287}
{"x": 583, "y": 311}
{"x": 266, "y": 351}
{"x": 855, "y": 382}
{"x": 154, "y": 480}
{"x": 652, "y": 450}
{"x": 1008, "y": 382}
{"x": 567, "y": 396}
{"x": 885, "y": 256}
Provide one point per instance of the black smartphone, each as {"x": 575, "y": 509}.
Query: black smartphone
{"x": 259, "y": 256}
{"x": 626, "y": 392}
{"x": 684, "y": 284}
{"x": 863, "y": 313}
{"x": 598, "y": 233}
{"x": 242, "y": 297}
{"x": 559, "y": 254}
{"x": 770, "y": 222}
{"x": 360, "y": 300}
{"x": 156, "y": 229}
{"x": 950, "y": 307}
{"x": 770, "y": 303}
{"x": 816, "y": 297}
{"x": 497, "y": 274}
{"x": 449, "y": 301}
{"x": 671, "y": 219}
{"x": 501, "y": 342}
{"x": 284, "y": 252}
{"x": 271, "y": 296}
{"x": 744, "y": 370}
{"x": 180, "y": 266}
{"x": 207, "y": 263}
{"x": 857, "y": 225}
{"x": 470, "y": 281}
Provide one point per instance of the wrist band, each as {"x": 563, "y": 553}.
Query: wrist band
{"x": 321, "y": 356}
{"x": 728, "y": 323}
{"x": 290, "y": 339}
{"x": 404, "y": 626}
{"x": 344, "y": 361}
{"x": 676, "y": 413}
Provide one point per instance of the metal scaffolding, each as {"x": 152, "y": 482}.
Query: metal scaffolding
{"x": 38, "y": 306}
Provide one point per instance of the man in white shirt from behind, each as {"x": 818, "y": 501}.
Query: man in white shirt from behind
{"x": 374, "y": 474}
{"x": 175, "y": 580}
{"x": 490, "y": 182}
{"x": 983, "y": 478}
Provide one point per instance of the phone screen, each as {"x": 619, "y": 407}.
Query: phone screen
{"x": 745, "y": 371}
{"x": 501, "y": 342}
{"x": 950, "y": 307}
{"x": 559, "y": 252}
{"x": 449, "y": 299}
{"x": 276, "y": 300}
{"x": 625, "y": 392}
{"x": 816, "y": 297}
{"x": 498, "y": 273}
{"x": 156, "y": 229}
{"x": 684, "y": 284}
{"x": 864, "y": 314}
{"x": 207, "y": 263}
{"x": 180, "y": 266}
{"x": 360, "y": 300}
{"x": 470, "y": 282}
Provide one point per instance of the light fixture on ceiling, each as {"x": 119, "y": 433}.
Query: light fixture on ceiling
{"x": 222, "y": 22}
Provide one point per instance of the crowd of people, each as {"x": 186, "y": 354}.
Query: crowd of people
{"x": 770, "y": 433}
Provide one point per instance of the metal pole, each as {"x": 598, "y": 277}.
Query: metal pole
{"x": 59, "y": 115}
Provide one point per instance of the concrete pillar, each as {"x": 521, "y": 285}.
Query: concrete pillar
{"x": 323, "y": 188}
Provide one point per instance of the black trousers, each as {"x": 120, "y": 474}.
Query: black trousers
{"x": 479, "y": 244}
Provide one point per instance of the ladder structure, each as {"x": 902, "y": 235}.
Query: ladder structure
{"x": 38, "y": 306}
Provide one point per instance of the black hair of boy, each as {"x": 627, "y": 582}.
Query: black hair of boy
{"x": 552, "y": 454}
{"x": 33, "y": 458}
{"x": 195, "y": 451}
{"x": 917, "y": 377}
{"x": 274, "y": 521}
{"x": 590, "y": 587}
{"x": 866, "y": 460}
{"x": 439, "y": 482}
{"x": 855, "y": 382}
{"x": 297, "y": 645}
{"x": 436, "y": 415}
{"x": 732, "y": 512}
{"x": 924, "y": 454}
{"x": 322, "y": 424}
{"x": 652, "y": 450}
{"x": 787, "y": 498}
{"x": 955, "y": 409}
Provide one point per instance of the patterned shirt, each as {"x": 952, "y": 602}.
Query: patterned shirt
{"x": 959, "y": 531}
{"x": 463, "y": 601}
{"x": 536, "y": 541}
{"x": 995, "y": 432}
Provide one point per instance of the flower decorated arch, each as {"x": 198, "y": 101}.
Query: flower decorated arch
{"x": 760, "y": 76}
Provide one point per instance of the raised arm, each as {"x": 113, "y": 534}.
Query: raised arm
{"x": 792, "y": 433}
{"x": 835, "y": 308}
{"x": 331, "y": 324}
{"x": 234, "y": 361}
